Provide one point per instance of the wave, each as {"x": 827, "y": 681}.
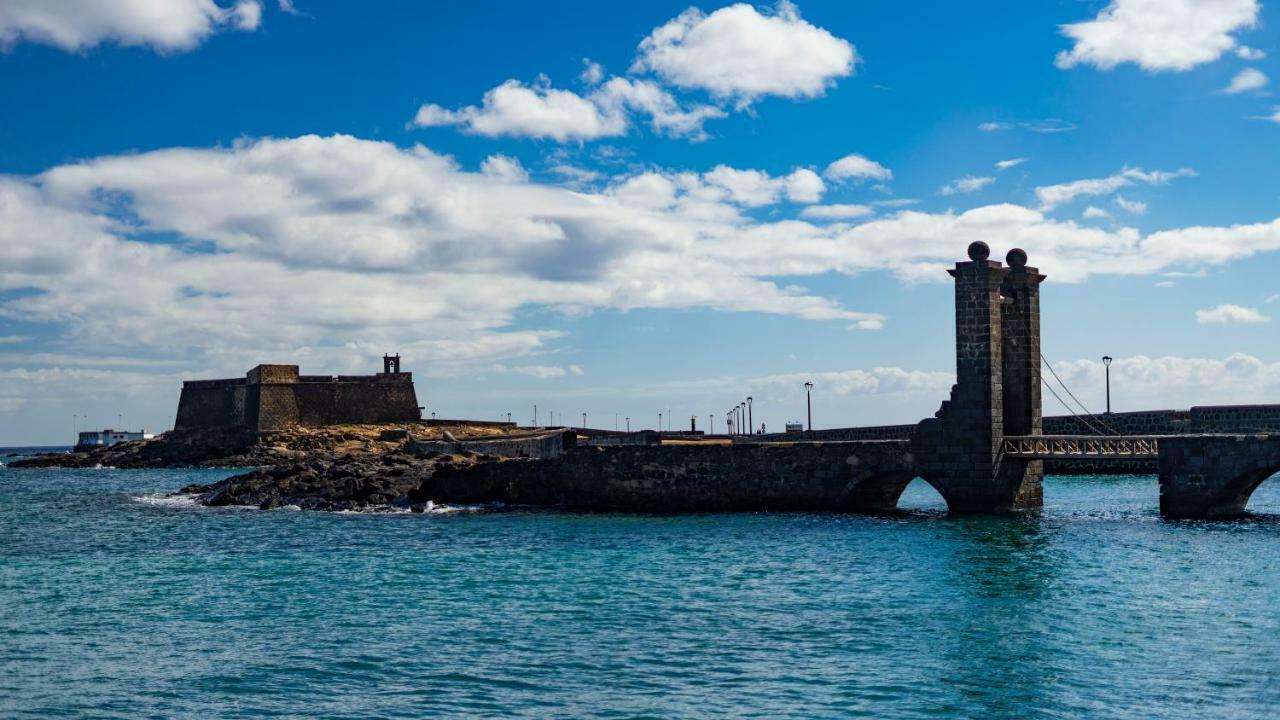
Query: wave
{"x": 176, "y": 500}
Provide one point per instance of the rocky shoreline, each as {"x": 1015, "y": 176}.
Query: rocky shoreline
{"x": 332, "y": 468}
{"x": 343, "y": 483}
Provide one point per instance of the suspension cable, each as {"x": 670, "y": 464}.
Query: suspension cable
{"x": 1026, "y": 326}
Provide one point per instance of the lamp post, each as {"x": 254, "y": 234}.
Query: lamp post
{"x": 808, "y": 399}
{"x": 628, "y": 424}
{"x": 659, "y": 422}
{"x": 711, "y": 423}
{"x": 751, "y": 422}
{"x": 584, "y": 421}
{"x": 1106, "y": 361}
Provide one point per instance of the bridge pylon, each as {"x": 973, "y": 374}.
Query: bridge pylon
{"x": 997, "y": 391}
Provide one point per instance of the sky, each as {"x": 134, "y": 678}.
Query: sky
{"x": 626, "y": 209}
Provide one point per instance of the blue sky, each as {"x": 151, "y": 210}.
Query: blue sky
{"x": 626, "y": 210}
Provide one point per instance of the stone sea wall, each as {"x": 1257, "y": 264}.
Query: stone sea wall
{"x": 691, "y": 478}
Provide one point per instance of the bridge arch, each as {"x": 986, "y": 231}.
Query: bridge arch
{"x": 1213, "y": 476}
{"x": 880, "y": 493}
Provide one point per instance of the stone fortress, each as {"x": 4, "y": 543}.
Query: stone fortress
{"x": 275, "y": 397}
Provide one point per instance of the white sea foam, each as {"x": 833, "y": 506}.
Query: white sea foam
{"x": 168, "y": 500}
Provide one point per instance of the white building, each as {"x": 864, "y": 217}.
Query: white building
{"x": 107, "y": 438}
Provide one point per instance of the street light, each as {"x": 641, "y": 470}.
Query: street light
{"x": 584, "y": 421}
{"x": 808, "y": 398}
{"x": 628, "y": 424}
{"x": 751, "y": 422}
{"x": 1106, "y": 361}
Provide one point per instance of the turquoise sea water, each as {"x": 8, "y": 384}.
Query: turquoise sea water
{"x": 114, "y": 603}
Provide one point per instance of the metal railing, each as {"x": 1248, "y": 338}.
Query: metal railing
{"x": 1082, "y": 447}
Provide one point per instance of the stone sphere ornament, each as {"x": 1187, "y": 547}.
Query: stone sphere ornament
{"x": 1017, "y": 258}
{"x": 979, "y": 251}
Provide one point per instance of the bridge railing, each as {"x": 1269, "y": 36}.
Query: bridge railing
{"x": 1084, "y": 447}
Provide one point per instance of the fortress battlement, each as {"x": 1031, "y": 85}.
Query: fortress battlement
{"x": 275, "y": 397}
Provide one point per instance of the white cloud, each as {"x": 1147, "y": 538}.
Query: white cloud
{"x": 966, "y": 184}
{"x": 1133, "y": 207}
{"x": 666, "y": 115}
{"x": 1230, "y": 315}
{"x": 1244, "y": 52}
{"x": 78, "y": 25}
{"x": 857, "y": 167}
{"x": 1158, "y": 35}
{"x": 1165, "y": 284}
{"x": 1246, "y": 80}
{"x": 737, "y": 53}
{"x": 538, "y": 111}
{"x": 836, "y": 212}
{"x": 1051, "y": 196}
{"x": 505, "y": 168}
{"x": 1273, "y": 299}
{"x": 576, "y": 370}
{"x": 358, "y": 247}
{"x": 1093, "y": 213}
{"x": 592, "y": 72}
{"x": 541, "y": 111}
{"x": 1274, "y": 117}
{"x": 1006, "y": 164}
{"x": 1141, "y": 382}
{"x": 13, "y": 339}
{"x": 804, "y": 186}
{"x": 1045, "y": 126}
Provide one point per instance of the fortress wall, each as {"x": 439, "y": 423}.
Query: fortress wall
{"x": 377, "y": 399}
{"x": 211, "y": 404}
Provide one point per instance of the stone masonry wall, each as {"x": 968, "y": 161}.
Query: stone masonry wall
{"x": 692, "y": 478}
{"x": 1212, "y": 476}
{"x": 275, "y": 397}
{"x": 211, "y": 404}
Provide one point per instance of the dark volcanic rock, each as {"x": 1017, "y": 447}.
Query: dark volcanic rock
{"x": 348, "y": 482}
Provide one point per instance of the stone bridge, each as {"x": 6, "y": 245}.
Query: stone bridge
{"x": 836, "y": 476}
{"x": 984, "y": 450}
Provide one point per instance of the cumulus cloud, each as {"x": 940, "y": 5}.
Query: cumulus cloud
{"x": 592, "y": 72}
{"x": 1142, "y": 383}
{"x": 504, "y": 168}
{"x": 737, "y": 53}
{"x": 1244, "y": 52}
{"x": 537, "y": 111}
{"x": 78, "y": 25}
{"x": 1051, "y": 196}
{"x": 1013, "y": 162}
{"x": 1230, "y": 315}
{"x": 665, "y": 113}
{"x": 358, "y": 246}
{"x": 1247, "y": 80}
{"x": 1158, "y": 35}
{"x": 514, "y": 109}
{"x": 966, "y": 184}
{"x": 857, "y": 167}
{"x": 1094, "y": 213}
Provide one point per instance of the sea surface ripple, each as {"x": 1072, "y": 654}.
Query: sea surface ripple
{"x": 116, "y": 602}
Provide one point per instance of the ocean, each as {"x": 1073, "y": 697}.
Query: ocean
{"x": 117, "y": 602}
